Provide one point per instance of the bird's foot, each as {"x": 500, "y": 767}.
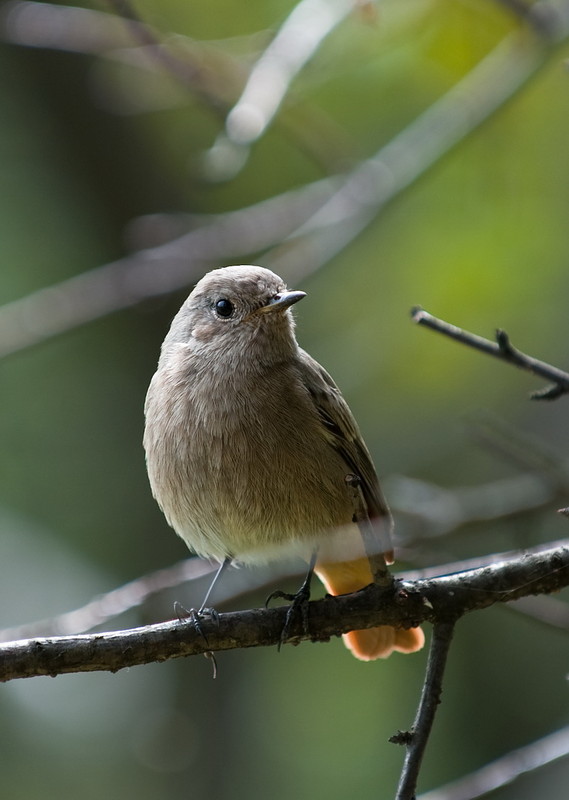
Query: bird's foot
{"x": 194, "y": 616}
{"x": 299, "y": 603}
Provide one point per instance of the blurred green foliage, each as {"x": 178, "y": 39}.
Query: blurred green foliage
{"x": 87, "y": 144}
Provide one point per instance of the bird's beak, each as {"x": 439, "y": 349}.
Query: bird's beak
{"x": 281, "y": 301}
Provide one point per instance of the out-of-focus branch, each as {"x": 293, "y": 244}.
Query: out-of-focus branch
{"x": 345, "y": 206}
{"x": 416, "y": 739}
{"x": 432, "y": 511}
{"x": 437, "y": 600}
{"x": 547, "y": 610}
{"x": 206, "y": 70}
{"x": 185, "y": 71}
{"x": 81, "y": 30}
{"x": 78, "y": 30}
{"x": 114, "y": 603}
{"x": 154, "y": 271}
{"x": 298, "y": 39}
{"x": 439, "y": 510}
{"x": 505, "y": 770}
{"x": 502, "y": 349}
{"x": 503, "y": 73}
{"x": 537, "y": 15}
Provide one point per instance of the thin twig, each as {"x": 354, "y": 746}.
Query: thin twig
{"x": 502, "y": 349}
{"x": 504, "y": 770}
{"x": 436, "y": 600}
{"x": 416, "y": 740}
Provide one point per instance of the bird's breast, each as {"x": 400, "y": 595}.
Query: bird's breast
{"x": 243, "y": 463}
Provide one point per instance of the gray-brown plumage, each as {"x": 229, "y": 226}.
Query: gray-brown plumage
{"x": 248, "y": 440}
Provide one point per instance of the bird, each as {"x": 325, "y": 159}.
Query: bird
{"x": 249, "y": 443}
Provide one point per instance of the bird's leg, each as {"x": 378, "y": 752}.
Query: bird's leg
{"x": 298, "y": 602}
{"x": 195, "y": 615}
{"x": 222, "y": 567}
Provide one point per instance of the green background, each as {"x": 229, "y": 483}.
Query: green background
{"x": 89, "y": 143}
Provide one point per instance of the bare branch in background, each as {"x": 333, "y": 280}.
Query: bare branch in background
{"x": 81, "y": 30}
{"x": 505, "y": 770}
{"x": 440, "y": 511}
{"x": 503, "y": 73}
{"x": 298, "y": 39}
{"x": 78, "y": 30}
{"x": 114, "y": 603}
{"x": 154, "y": 271}
{"x": 343, "y": 207}
{"x": 206, "y": 70}
{"x": 502, "y": 349}
{"x": 189, "y": 73}
{"x": 203, "y": 69}
{"x": 427, "y": 511}
{"x": 539, "y": 16}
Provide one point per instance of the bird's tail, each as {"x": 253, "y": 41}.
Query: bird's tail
{"x": 371, "y": 643}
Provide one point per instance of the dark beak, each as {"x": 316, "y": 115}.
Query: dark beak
{"x": 281, "y": 301}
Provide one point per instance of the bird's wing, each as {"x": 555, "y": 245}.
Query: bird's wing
{"x": 346, "y": 437}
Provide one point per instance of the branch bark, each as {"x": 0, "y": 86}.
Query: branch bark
{"x": 442, "y": 599}
{"x": 416, "y": 740}
{"x": 502, "y": 349}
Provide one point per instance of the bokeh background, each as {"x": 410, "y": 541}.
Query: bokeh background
{"x": 106, "y": 137}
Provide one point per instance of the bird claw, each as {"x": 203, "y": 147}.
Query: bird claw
{"x": 194, "y": 616}
{"x": 280, "y": 595}
{"x": 298, "y": 604}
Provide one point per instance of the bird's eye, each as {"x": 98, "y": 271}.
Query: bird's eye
{"x": 224, "y": 308}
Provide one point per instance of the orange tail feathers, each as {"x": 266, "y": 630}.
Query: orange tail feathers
{"x": 371, "y": 643}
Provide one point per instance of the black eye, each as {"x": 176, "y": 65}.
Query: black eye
{"x": 224, "y": 308}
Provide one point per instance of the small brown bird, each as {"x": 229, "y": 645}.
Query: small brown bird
{"x": 248, "y": 443}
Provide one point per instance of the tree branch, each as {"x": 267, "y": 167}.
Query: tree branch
{"x": 416, "y": 739}
{"x": 435, "y": 600}
{"x": 502, "y": 349}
